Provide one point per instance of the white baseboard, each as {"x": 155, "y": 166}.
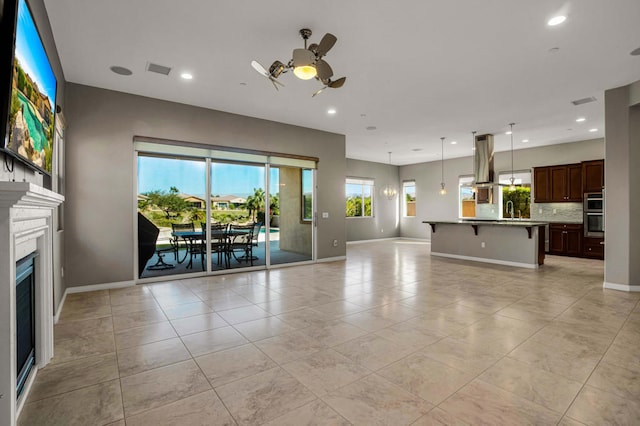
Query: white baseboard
{"x": 95, "y": 287}
{"x": 422, "y": 240}
{"x": 375, "y": 240}
{"x": 485, "y": 260}
{"x": 332, "y": 259}
{"x": 621, "y": 287}
{"x": 56, "y": 317}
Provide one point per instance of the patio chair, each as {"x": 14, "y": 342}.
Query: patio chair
{"x": 218, "y": 239}
{"x": 240, "y": 240}
{"x": 178, "y": 243}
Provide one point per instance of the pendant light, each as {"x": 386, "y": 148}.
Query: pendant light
{"x": 512, "y": 186}
{"x": 389, "y": 190}
{"x": 443, "y": 191}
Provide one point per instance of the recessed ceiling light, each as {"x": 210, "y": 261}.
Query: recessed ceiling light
{"x": 554, "y": 50}
{"x": 525, "y": 140}
{"x": 371, "y": 127}
{"x": 363, "y": 115}
{"x": 635, "y": 52}
{"x": 121, "y": 70}
{"x": 331, "y": 111}
{"x": 580, "y": 119}
{"x": 243, "y": 84}
{"x": 454, "y": 142}
{"x": 556, "y": 20}
{"x": 186, "y": 76}
{"x": 508, "y": 132}
{"x": 593, "y": 130}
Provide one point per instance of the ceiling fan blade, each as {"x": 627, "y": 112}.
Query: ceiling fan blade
{"x": 313, "y": 47}
{"x": 324, "y": 70}
{"x": 317, "y": 92}
{"x": 302, "y": 57}
{"x": 256, "y": 66}
{"x": 274, "y": 81}
{"x": 338, "y": 83}
{"x": 326, "y": 44}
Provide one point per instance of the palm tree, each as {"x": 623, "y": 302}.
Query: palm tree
{"x": 255, "y": 202}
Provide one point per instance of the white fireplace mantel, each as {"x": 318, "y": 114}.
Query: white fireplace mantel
{"x": 26, "y": 225}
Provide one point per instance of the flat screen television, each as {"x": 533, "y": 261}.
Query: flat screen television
{"x": 30, "y": 84}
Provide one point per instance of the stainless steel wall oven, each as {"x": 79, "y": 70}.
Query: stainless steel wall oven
{"x": 594, "y": 214}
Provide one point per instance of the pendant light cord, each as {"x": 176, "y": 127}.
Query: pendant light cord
{"x": 442, "y": 161}
{"x": 511, "y": 125}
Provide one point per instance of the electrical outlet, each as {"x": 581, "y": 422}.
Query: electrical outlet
{"x": 539, "y": 211}
{"x": 554, "y": 211}
{"x": 335, "y": 243}
{"x": 325, "y": 215}
{"x": 482, "y": 244}
{"x": 381, "y": 229}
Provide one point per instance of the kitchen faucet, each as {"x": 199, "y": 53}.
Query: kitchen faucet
{"x": 510, "y": 203}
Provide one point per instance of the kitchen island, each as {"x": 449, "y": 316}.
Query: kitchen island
{"x": 506, "y": 242}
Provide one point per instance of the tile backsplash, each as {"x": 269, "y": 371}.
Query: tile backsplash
{"x": 564, "y": 212}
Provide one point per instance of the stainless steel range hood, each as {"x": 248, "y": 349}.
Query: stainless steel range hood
{"x": 483, "y": 160}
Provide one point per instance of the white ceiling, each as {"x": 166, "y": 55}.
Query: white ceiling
{"x": 416, "y": 70}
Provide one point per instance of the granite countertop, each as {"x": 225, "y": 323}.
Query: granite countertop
{"x": 508, "y": 222}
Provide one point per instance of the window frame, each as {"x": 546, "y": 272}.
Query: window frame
{"x": 405, "y": 204}
{"x": 506, "y": 174}
{"x": 303, "y": 206}
{"x": 368, "y": 182}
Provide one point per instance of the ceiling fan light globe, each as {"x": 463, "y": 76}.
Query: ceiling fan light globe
{"x": 306, "y": 72}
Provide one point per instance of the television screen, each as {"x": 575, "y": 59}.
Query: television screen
{"x": 30, "y": 128}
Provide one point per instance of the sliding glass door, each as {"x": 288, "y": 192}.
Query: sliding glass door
{"x": 238, "y": 200}
{"x": 202, "y": 210}
{"x": 291, "y": 230}
{"x": 171, "y": 206}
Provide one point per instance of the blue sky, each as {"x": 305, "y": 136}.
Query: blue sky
{"x": 31, "y": 54}
{"x": 189, "y": 177}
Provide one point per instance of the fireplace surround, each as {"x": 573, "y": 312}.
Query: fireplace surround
{"x": 26, "y": 222}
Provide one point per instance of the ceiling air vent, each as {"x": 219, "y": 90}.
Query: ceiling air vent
{"x": 584, "y": 101}
{"x": 159, "y": 69}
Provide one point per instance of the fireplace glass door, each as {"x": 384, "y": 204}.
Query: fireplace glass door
{"x": 25, "y": 319}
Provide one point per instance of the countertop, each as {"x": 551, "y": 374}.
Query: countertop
{"x": 508, "y": 222}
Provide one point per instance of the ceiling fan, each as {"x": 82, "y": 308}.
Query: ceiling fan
{"x": 306, "y": 64}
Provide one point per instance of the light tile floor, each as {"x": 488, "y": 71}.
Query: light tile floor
{"x": 391, "y": 336}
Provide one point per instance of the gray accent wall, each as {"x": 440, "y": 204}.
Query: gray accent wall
{"x": 433, "y": 206}
{"x": 101, "y": 183}
{"x": 385, "y": 222}
{"x": 622, "y": 202}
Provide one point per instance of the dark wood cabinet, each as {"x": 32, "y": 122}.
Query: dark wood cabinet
{"x": 558, "y": 183}
{"x": 593, "y": 176}
{"x": 565, "y": 239}
{"x": 593, "y": 248}
{"x": 541, "y": 190}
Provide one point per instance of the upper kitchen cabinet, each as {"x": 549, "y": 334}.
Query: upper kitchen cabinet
{"x": 541, "y": 190}
{"x": 593, "y": 176}
{"x": 558, "y": 183}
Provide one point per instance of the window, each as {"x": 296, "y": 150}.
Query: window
{"x": 521, "y": 197}
{"x": 359, "y": 197}
{"x": 467, "y": 197}
{"x": 409, "y": 197}
{"x": 307, "y": 195}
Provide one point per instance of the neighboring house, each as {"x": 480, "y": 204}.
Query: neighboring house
{"x": 227, "y": 202}
{"x": 193, "y": 201}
